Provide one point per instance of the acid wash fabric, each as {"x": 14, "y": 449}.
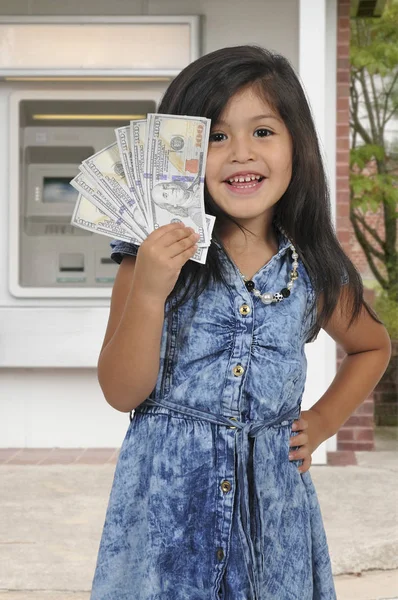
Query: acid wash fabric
{"x": 205, "y": 503}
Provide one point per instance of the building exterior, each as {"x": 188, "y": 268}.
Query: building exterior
{"x": 49, "y": 345}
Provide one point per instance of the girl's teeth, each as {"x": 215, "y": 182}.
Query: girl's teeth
{"x": 243, "y": 179}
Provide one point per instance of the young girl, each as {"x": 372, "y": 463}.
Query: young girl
{"x": 207, "y": 501}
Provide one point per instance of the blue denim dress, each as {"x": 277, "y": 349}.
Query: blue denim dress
{"x": 205, "y": 503}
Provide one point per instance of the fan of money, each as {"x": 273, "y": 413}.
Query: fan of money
{"x": 152, "y": 175}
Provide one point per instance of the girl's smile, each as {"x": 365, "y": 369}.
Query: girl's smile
{"x": 244, "y": 183}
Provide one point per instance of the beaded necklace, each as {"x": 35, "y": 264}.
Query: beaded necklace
{"x": 270, "y": 297}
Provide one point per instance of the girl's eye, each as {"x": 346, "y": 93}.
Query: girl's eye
{"x": 263, "y": 132}
{"x": 217, "y": 137}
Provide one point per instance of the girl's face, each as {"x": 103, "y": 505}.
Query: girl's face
{"x": 249, "y": 162}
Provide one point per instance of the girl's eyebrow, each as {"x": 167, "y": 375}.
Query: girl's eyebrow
{"x": 255, "y": 118}
{"x": 265, "y": 116}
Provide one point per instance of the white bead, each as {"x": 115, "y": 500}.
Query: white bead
{"x": 257, "y": 293}
{"x": 267, "y": 298}
{"x": 295, "y": 265}
{"x": 295, "y": 255}
{"x": 290, "y": 285}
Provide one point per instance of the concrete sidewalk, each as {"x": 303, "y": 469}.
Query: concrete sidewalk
{"x": 52, "y": 516}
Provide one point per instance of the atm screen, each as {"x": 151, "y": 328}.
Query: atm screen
{"x": 58, "y": 189}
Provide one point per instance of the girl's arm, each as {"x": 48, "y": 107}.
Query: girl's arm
{"x": 128, "y": 364}
{"x": 368, "y": 348}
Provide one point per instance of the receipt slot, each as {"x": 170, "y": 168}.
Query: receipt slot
{"x": 49, "y": 257}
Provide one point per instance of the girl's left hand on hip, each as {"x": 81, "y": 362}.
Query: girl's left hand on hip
{"x": 301, "y": 439}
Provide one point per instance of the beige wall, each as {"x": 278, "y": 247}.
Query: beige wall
{"x": 269, "y": 23}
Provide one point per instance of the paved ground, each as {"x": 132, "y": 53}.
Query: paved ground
{"x": 52, "y": 515}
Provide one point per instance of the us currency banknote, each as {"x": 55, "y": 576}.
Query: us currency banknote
{"x": 106, "y": 168}
{"x": 90, "y": 190}
{"x": 124, "y": 142}
{"x": 174, "y": 172}
{"x": 200, "y": 255}
{"x": 138, "y": 136}
{"x": 89, "y": 217}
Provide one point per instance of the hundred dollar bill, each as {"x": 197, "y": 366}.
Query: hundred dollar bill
{"x": 200, "y": 255}
{"x": 138, "y": 136}
{"x": 87, "y": 216}
{"x": 124, "y": 143}
{"x": 106, "y": 168}
{"x": 90, "y": 190}
{"x": 175, "y": 165}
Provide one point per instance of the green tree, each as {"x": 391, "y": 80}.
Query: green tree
{"x": 374, "y": 155}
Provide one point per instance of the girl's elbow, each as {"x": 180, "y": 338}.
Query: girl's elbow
{"x": 116, "y": 399}
{"x": 387, "y": 348}
{"x": 384, "y": 350}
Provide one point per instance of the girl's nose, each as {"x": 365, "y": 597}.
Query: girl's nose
{"x": 242, "y": 150}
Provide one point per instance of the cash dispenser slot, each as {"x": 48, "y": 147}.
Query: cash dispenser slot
{"x": 71, "y": 263}
{"x": 70, "y": 266}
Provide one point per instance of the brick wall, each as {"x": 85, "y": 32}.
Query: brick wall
{"x": 358, "y": 432}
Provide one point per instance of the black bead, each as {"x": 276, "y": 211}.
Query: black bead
{"x": 249, "y": 285}
{"x": 285, "y": 293}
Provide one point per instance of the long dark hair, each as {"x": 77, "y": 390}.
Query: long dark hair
{"x": 204, "y": 88}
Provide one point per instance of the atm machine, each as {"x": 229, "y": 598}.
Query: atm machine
{"x": 55, "y": 136}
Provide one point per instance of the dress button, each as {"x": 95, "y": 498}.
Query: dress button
{"x": 226, "y": 486}
{"x": 232, "y": 426}
{"x": 244, "y": 309}
{"x": 238, "y": 370}
{"x": 220, "y": 553}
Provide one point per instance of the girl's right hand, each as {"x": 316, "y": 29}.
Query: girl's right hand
{"x": 161, "y": 257}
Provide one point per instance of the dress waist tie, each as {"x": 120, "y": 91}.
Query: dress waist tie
{"x": 246, "y": 430}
